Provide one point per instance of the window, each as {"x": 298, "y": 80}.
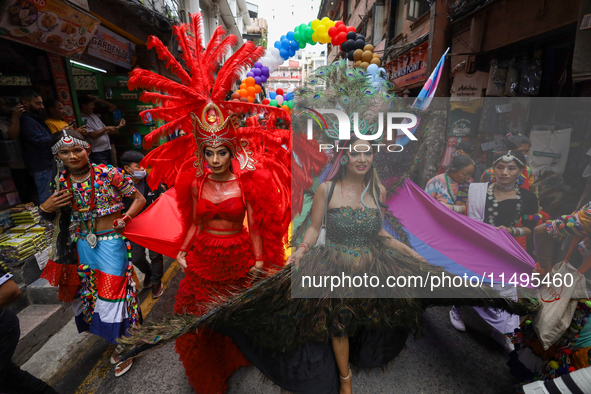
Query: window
{"x": 416, "y": 8}
{"x": 378, "y": 23}
{"x": 396, "y": 18}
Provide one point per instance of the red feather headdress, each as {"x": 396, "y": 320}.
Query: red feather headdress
{"x": 198, "y": 103}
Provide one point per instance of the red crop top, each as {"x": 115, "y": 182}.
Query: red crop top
{"x": 221, "y": 207}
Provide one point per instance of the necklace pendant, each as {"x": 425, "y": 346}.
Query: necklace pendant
{"x": 91, "y": 239}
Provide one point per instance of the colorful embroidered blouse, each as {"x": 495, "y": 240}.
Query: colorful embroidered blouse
{"x": 577, "y": 224}
{"x": 110, "y": 186}
{"x": 445, "y": 190}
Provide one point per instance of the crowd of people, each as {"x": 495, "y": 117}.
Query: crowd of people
{"x": 224, "y": 174}
{"x": 30, "y": 125}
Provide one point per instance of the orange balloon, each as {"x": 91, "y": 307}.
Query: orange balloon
{"x": 357, "y": 54}
{"x": 376, "y": 55}
{"x": 376, "y": 61}
{"x": 285, "y": 107}
{"x": 242, "y": 85}
{"x": 235, "y": 95}
{"x": 243, "y": 93}
{"x": 364, "y": 64}
{"x": 368, "y": 47}
{"x": 358, "y": 63}
{"x": 366, "y": 56}
{"x": 250, "y": 99}
{"x": 249, "y": 81}
{"x": 250, "y": 90}
{"x": 257, "y": 89}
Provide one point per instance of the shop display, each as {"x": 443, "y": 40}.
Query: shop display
{"x": 497, "y": 78}
{"x": 23, "y": 234}
{"x": 50, "y": 25}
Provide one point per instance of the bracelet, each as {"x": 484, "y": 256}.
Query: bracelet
{"x": 126, "y": 218}
{"x": 521, "y": 232}
{"x": 44, "y": 210}
{"x": 305, "y": 246}
{"x": 512, "y": 230}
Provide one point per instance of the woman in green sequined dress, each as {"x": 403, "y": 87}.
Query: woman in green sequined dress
{"x": 302, "y": 331}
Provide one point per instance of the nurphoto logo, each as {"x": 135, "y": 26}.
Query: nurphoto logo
{"x": 407, "y": 125}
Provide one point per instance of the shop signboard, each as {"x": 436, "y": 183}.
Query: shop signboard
{"x": 61, "y": 85}
{"x": 112, "y": 47}
{"x": 80, "y": 3}
{"x": 50, "y": 25}
{"x": 409, "y": 68}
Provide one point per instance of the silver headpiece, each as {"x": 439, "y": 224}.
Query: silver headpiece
{"x": 508, "y": 158}
{"x": 68, "y": 141}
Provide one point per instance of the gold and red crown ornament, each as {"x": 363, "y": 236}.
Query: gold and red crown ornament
{"x": 198, "y": 102}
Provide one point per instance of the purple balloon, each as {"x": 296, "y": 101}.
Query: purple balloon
{"x": 258, "y": 65}
{"x": 256, "y": 72}
{"x": 263, "y": 79}
{"x": 265, "y": 71}
{"x": 258, "y": 80}
{"x": 250, "y": 74}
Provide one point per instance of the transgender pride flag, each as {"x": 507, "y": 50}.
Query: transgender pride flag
{"x": 424, "y": 98}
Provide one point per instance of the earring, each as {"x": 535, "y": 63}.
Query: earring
{"x": 344, "y": 160}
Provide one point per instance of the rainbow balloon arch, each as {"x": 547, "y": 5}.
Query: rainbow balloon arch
{"x": 318, "y": 31}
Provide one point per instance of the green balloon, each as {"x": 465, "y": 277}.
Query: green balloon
{"x": 302, "y": 44}
{"x": 297, "y": 36}
{"x": 290, "y": 103}
{"x": 273, "y": 103}
{"x": 297, "y": 29}
{"x": 309, "y": 32}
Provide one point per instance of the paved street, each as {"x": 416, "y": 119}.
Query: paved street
{"x": 442, "y": 361}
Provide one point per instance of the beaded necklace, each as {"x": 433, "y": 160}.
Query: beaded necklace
{"x": 495, "y": 204}
{"x": 81, "y": 190}
{"x": 449, "y": 193}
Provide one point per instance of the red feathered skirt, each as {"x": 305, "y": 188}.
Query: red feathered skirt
{"x": 216, "y": 265}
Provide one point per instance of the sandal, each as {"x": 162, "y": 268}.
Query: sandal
{"x": 116, "y": 354}
{"x": 123, "y": 367}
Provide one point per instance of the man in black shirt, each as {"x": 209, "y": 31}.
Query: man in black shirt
{"x": 130, "y": 161}
{"x": 35, "y": 140}
{"x": 12, "y": 378}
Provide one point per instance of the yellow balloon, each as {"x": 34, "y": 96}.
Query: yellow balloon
{"x": 321, "y": 30}
{"x": 357, "y": 54}
{"x": 315, "y": 24}
{"x": 376, "y": 61}
{"x": 325, "y": 19}
{"x": 366, "y": 56}
{"x": 327, "y": 39}
{"x": 315, "y": 37}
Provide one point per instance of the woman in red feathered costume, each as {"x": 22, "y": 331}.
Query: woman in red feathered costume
{"x": 221, "y": 174}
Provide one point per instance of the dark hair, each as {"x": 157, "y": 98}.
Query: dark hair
{"x": 131, "y": 156}
{"x": 514, "y": 141}
{"x": 517, "y": 155}
{"x": 458, "y": 163}
{"x": 27, "y": 94}
{"x": 465, "y": 146}
{"x": 50, "y": 103}
{"x": 84, "y": 100}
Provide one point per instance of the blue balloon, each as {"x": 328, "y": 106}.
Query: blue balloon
{"x": 292, "y": 52}
{"x": 285, "y": 43}
{"x": 283, "y": 37}
{"x": 256, "y": 72}
{"x": 272, "y": 95}
{"x": 289, "y": 35}
{"x": 289, "y": 96}
{"x": 284, "y": 54}
{"x": 295, "y": 45}
{"x": 277, "y": 44}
